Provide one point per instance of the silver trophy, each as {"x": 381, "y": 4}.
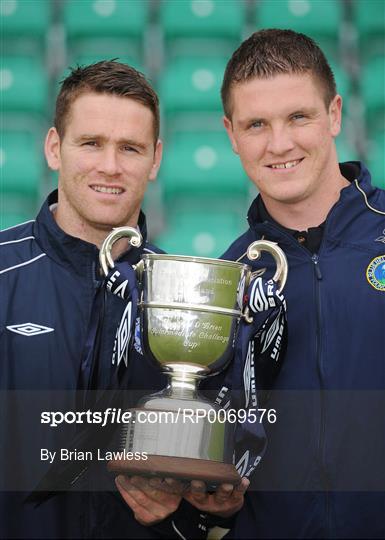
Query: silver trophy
{"x": 190, "y": 309}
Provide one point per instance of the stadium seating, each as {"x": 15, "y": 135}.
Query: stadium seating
{"x": 202, "y": 163}
{"x": 373, "y": 92}
{"x": 204, "y": 26}
{"x": 345, "y": 149}
{"x": 21, "y": 172}
{"x": 21, "y": 163}
{"x": 192, "y": 84}
{"x": 183, "y": 47}
{"x": 24, "y": 25}
{"x": 376, "y": 159}
{"x": 10, "y": 217}
{"x": 90, "y": 18}
{"x": 202, "y": 228}
{"x": 105, "y": 26}
{"x": 203, "y": 18}
{"x": 342, "y": 79}
{"x": 369, "y": 20}
{"x": 23, "y": 85}
{"x": 320, "y": 20}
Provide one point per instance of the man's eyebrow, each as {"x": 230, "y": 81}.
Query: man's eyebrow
{"x": 95, "y": 137}
{"x": 87, "y": 136}
{"x": 132, "y": 142}
{"x": 304, "y": 110}
{"x": 247, "y": 121}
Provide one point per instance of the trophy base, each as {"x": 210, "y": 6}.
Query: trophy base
{"x": 211, "y": 472}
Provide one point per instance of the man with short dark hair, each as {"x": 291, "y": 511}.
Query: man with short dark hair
{"x": 323, "y": 472}
{"x": 62, "y": 335}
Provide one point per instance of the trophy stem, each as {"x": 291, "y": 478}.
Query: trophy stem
{"x": 182, "y": 386}
{"x": 183, "y": 382}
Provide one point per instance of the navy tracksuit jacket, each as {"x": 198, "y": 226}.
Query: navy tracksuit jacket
{"x": 51, "y": 299}
{"x": 323, "y": 474}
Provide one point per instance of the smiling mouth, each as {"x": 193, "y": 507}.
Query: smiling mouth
{"x": 285, "y": 165}
{"x": 108, "y": 190}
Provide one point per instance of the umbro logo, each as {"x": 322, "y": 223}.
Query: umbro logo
{"x": 29, "y": 329}
{"x": 381, "y": 238}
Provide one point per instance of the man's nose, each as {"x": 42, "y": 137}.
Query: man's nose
{"x": 109, "y": 161}
{"x": 280, "y": 140}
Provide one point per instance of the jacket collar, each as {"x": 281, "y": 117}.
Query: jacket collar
{"x": 70, "y": 251}
{"x": 338, "y": 219}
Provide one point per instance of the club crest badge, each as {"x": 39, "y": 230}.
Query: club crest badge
{"x": 375, "y": 273}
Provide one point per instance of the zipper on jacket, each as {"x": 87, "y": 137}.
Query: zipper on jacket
{"x": 317, "y": 268}
{"x": 324, "y": 477}
{"x": 323, "y": 473}
{"x": 321, "y": 444}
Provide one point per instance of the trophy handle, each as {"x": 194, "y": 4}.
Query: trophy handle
{"x": 105, "y": 258}
{"x": 254, "y": 252}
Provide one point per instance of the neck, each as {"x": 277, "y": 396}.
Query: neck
{"x": 309, "y": 212}
{"x": 88, "y": 233}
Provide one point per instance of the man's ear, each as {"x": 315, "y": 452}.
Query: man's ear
{"x": 157, "y": 160}
{"x": 229, "y": 128}
{"x": 335, "y": 114}
{"x": 52, "y": 149}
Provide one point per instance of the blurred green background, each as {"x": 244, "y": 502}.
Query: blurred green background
{"x": 199, "y": 203}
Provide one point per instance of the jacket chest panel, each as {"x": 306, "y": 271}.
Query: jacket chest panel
{"x": 43, "y": 336}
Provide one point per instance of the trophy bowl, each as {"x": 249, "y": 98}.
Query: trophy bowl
{"x": 190, "y": 310}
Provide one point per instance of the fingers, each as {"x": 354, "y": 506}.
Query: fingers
{"x": 174, "y": 486}
{"x": 150, "y": 499}
{"x": 155, "y": 486}
{"x": 227, "y": 499}
{"x": 198, "y": 491}
{"x": 223, "y": 492}
{"x": 242, "y": 487}
{"x": 229, "y": 493}
{"x": 142, "y": 515}
{"x": 153, "y": 499}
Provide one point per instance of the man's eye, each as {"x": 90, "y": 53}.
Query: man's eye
{"x": 298, "y": 116}
{"x": 129, "y": 149}
{"x": 90, "y": 143}
{"x": 257, "y": 124}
